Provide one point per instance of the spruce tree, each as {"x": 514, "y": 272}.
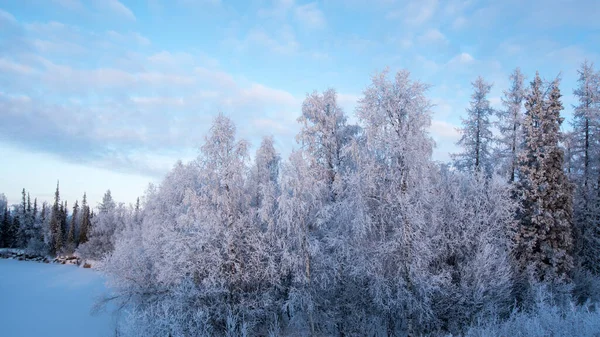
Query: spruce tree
{"x": 64, "y": 213}
{"x": 5, "y": 228}
{"x": 71, "y": 233}
{"x": 42, "y": 224}
{"x": 15, "y": 229}
{"x": 22, "y": 235}
{"x": 34, "y": 219}
{"x": 56, "y": 241}
{"x": 85, "y": 221}
{"x": 543, "y": 240}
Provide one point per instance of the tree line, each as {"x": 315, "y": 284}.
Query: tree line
{"x": 359, "y": 232}
{"x": 52, "y": 230}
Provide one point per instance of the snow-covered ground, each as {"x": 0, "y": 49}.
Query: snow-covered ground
{"x": 51, "y": 300}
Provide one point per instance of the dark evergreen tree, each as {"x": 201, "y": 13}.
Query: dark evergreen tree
{"x": 64, "y": 227}
{"x": 543, "y": 240}
{"x": 85, "y": 221}
{"x": 44, "y": 227}
{"x": 22, "y": 236}
{"x": 73, "y": 225}
{"x": 56, "y": 241}
{"x": 5, "y": 238}
{"x": 14, "y": 241}
{"x": 35, "y": 209}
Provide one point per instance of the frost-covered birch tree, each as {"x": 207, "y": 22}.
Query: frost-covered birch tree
{"x": 471, "y": 215}
{"x": 396, "y": 169}
{"x": 323, "y": 135}
{"x": 104, "y": 228}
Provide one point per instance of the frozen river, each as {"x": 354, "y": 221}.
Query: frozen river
{"x": 51, "y": 300}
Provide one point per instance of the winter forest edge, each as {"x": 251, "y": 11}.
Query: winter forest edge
{"x": 359, "y": 232}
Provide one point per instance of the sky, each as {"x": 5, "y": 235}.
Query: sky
{"x": 109, "y": 94}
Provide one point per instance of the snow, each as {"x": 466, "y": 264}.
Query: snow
{"x": 52, "y": 300}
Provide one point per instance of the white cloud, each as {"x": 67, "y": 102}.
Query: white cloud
{"x": 48, "y": 28}
{"x": 348, "y": 102}
{"x": 415, "y": 12}
{"x": 444, "y": 131}
{"x": 117, "y": 8}
{"x": 459, "y": 22}
{"x": 433, "y": 36}
{"x": 278, "y": 10}
{"x": 261, "y": 93}
{"x": 570, "y": 55}
{"x": 215, "y": 77}
{"x": 357, "y": 43}
{"x": 168, "y": 60}
{"x": 200, "y": 2}
{"x": 495, "y": 101}
{"x": 157, "y": 100}
{"x": 317, "y": 55}
{"x": 69, "y": 4}
{"x": 510, "y": 48}
{"x": 427, "y": 64}
{"x": 142, "y": 40}
{"x": 461, "y": 59}
{"x": 6, "y": 19}
{"x": 161, "y": 78}
{"x": 272, "y": 126}
{"x": 9, "y": 66}
{"x": 445, "y": 136}
{"x": 58, "y": 47}
{"x": 442, "y": 108}
{"x": 129, "y": 37}
{"x": 283, "y": 42}
{"x": 310, "y": 15}
{"x": 171, "y": 59}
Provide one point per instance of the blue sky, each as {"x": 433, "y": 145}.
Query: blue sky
{"x": 109, "y": 94}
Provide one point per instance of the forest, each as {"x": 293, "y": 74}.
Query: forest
{"x": 359, "y": 232}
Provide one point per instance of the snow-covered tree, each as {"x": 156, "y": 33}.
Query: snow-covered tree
{"x": 543, "y": 238}
{"x": 203, "y": 274}
{"x": 477, "y": 138}
{"x": 56, "y": 234}
{"x": 509, "y": 125}
{"x": 64, "y": 227}
{"x": 24, "y": 220}
{"x": 471, "y": 215}
{"x": 323, "y": 135}
{"x": 6, "y": 235}
{"x": 37, "y": 244}
{"x": 586, "y": 166}
{"x": 104, "y": 227}
{"x": 568, "y": 145}
{"x": 85, "y": 221}
{"x": 3, "y": 202}
{"x": 73, "y": 225}
{"x": 264, "y": 184}
{"x": 396, "y": 170}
